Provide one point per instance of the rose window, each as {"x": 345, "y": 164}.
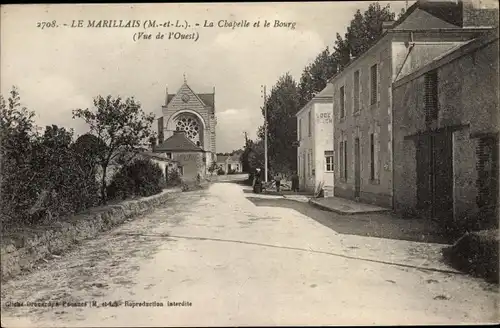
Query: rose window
{"x": 191, "y": 127}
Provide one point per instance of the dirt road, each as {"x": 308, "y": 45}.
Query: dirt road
{"x": 212, "y": 257}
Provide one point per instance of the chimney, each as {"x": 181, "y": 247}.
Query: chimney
{"x": 387, "y": 26}
{"x": 477, "y": 13}
{"x": 160, "y": 130}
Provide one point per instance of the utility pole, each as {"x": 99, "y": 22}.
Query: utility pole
{"x": 265, "y": 132}
{"x": 246, "y": 138}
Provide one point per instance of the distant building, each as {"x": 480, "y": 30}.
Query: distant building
{"x": 446, "y": 131}
{"x": 315, "y": 155}
{"x": 166, "y": 164}
{"x": 230, "y": 163}
{"x": 193, "y": 113}
{"x": 190, "y": 158}
{"x": 363, "y": 92}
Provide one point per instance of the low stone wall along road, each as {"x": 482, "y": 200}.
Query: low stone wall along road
{"x": 217, "y": 257}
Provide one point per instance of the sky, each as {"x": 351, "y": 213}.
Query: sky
{"x": 58, "y": 69}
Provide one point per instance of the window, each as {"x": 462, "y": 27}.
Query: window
{"x": 374, "y": 84}
{"x": 169, "y": 155}
{"x": 345, "y": 160}
{"x": 342, "y": 102}
{"x": 308, "y": 163}
{"x": 431, "y": 96}
{"x": 329, "y": 161}
{"x": 372, "y": 157}
{"x": 356, "y": 91}
{"x": 309, "y": 122}
{"x": 181, "y": 170}
{"x": 299, "y": 128}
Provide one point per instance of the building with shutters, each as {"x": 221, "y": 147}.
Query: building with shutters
{"x": 446, "y": 130}
{"x": 315, "y": 139}
{"x": 363, "y": 100}
{"x": 193, "y": 113}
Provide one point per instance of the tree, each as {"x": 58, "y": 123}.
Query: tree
{"x": 88, "y": 148}
{"x": 282, "y": 105}
{"x": 315, "y": 76}
{"x": 17, "y": 134}
{"x": 213, "y": 167}
{"x": 121, "y": 125}
{"x": 363, "y": 31}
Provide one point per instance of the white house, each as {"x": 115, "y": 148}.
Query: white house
{"x": 230, "y": 163}
{"x": 315, "y": 136}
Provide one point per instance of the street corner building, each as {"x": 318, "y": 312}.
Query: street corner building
{"x": 186, "y": 131}
{"x": 363, "y": 95}
{"x": 446, "y": 129}
{"x": 315, "y": 139}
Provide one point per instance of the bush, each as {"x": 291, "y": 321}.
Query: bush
{"x": 220, "y": 171}
{"x": 43, "y": 176}
{"x": 173, "y": 178}
{"x": 142, "y": 178}
{"x": 476, "y": 253}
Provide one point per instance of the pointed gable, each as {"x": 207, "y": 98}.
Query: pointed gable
{"x": 186, "y": 96}
{"x": 178, "y": 142}
{"x": 420, "y": 19}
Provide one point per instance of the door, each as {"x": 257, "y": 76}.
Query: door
{"x": 424, "y": 175}
{"x": 442, "y": 204}
{"x": 357, "y": 168}
{"x": 435, "y": 175}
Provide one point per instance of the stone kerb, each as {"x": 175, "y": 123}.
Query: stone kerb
{"x": 32, "y": 245}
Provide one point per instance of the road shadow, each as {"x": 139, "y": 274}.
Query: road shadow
{"x": 380, "y": 225}
{"x": 281, "y": 193}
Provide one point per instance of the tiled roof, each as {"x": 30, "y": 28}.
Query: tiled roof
{"x": 178, "y": 142}
{"x": 207, "y": 98}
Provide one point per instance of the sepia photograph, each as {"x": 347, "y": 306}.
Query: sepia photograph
{"x": 226, "y": 164}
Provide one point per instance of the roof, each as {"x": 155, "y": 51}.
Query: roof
{"x": 158, "y": 156}
{"x": 325, "y": 94}
{"x": 450, "y": 11}
{"x": 455, "y": 52}
{"x": 178, "y": 142}
{"x": 446, "y": 10}
{"x": 208, "y": 99}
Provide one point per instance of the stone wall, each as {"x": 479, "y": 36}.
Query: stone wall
{"x": 192, "y": 163}
{"x": 467, "y": 98}
{"x": 361, "y": 123}
{"x": 21, "y": 250}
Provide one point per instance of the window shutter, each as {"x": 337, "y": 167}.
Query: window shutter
{"x": 373, "y": 84}
{"x": 360, "y": 89}
{"x": 378, "y": 83}
{"x": 431, "y": 96}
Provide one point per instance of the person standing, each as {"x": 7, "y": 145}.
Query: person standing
{"x": 295, "y": 182}
{"x": 277, "y": 181}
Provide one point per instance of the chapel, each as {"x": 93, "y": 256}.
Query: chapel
{"x": 187, "y": 128}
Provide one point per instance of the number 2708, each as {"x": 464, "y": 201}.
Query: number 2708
{"x": 43, "y": 25}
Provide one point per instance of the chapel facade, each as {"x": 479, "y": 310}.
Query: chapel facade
{"x": 194, "y": 114}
